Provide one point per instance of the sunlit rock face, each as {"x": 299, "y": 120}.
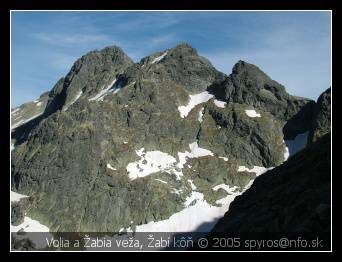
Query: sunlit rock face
{"x": 145, "y": 145}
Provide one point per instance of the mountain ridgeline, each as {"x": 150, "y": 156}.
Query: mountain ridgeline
{"x": 117, "y": 144}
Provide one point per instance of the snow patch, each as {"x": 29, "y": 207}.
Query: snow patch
{"x": 176, "y": 191}
{"x": 200, "y": 115}
{"x": 115, "y": 91}
{"x": 79, "y": 94}
{"x": 39, "y": 104}
{"x": 252, "y": 113}
{"x": 162, "y": 181}
{"x": 192, "y": 185}
{"x": 21, "y": 122}
{"x": 150, "y": 162}
{"x": 15, "y": 111}
{"x": 286, "y": 153}
{"x": 258, "y": 170}
{"x": 219, "y": 103}
{"x": 194, "y": 100}
{"x": 103, "y": 92}
{"x": 297, "y": 144}
{"x": 227, "y": 188}
{"x": 110, "y": 167}
{"x": 159, "y": 58}
{"x": 195, "y": 152}
{"x": 224, "y": 158}
{"x": 157, "y": 161}
{"x": 15, "y": 197}
{"x": 30, "y": 225}
{"x": 197, "y": 216}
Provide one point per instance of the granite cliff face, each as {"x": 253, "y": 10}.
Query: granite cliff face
{"x": 123, "y": 144}
{"x": 247, "y": 84}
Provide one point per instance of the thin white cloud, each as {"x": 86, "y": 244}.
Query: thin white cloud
{"x": 148, "y": 20}
{"x": 61, "y": 61}
{"x": 165, "y": 39}
{"x": 65, "y": 40}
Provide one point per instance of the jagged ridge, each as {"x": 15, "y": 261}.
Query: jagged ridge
{"x": 62, "y": 161}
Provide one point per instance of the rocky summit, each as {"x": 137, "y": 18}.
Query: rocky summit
{"x": 165, "y": 144}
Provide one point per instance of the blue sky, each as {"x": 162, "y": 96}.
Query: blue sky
{"x": 293, "y": 48}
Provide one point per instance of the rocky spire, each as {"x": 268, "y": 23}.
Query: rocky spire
{"x": 321, "y": 120}
{"x": 89, "y": 74}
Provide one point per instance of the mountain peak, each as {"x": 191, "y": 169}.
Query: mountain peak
{"x": 184, "y": 48}
{"x": 87, "y": 76}
{"x": 242, "y": 66}
{"x": 182, "y": 65}
{"x": 113, "y": 53}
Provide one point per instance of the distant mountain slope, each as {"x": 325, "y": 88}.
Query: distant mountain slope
{"x": 28, "y": 111}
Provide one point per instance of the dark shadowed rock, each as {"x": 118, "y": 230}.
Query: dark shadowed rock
{"x": 321, "y": 122}
{"x": 293, "y": 197}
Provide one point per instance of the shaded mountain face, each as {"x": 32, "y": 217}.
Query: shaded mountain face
{"x": 116, "y": 138}
{"x": 293, "y": 197}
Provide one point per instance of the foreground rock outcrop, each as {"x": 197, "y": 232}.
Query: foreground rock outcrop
{"x": 294, "y": 197}
{"x": 321, "y": 122}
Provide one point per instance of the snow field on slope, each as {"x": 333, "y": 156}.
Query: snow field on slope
{"x": 252, "y": 113}
{"x": 103, "y": 92}
{"x": 194, "y": 100}
{"x": 159, "y": 58}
